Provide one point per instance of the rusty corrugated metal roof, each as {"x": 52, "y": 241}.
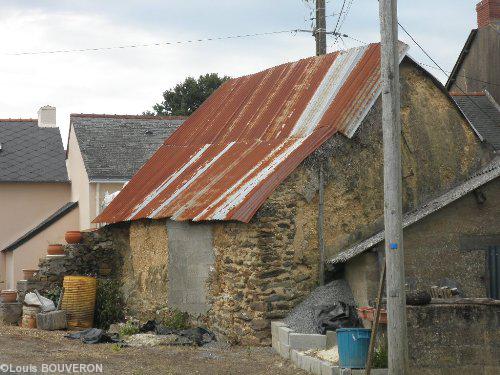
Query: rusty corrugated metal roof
{"x": 230, "y": 155}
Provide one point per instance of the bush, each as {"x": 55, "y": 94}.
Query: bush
{"x": 109, "y": 303}
{"x": 53, "y": 294}
{"x": 176, "y": 319}
{"x": 129, "y": 329}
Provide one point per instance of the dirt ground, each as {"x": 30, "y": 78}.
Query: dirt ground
{"x": 20, "y": 346}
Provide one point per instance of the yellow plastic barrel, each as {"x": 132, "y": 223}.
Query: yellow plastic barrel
{"x": 79, "y": 300}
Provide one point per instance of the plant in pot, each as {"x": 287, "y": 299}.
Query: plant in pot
{"x": 73, "y": 236}
{"x": 55, "y": 249}
{"x": 8, "y": 296}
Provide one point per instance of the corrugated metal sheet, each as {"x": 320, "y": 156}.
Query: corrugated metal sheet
{"x": 230, "y": 155}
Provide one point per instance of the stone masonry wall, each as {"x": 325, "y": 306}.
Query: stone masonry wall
{"x": 266, "y": 267}
{"x": 454, "y": 339}
{"x": 99, "y": 254}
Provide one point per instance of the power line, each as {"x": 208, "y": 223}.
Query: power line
{"x": 340, "y": 14}
{"x": 460, "y": 75}
{"x": 149, "y": 44}
{"x": 442, "y": 70}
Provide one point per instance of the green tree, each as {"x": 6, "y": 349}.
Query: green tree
{"x": 187, "y": 96}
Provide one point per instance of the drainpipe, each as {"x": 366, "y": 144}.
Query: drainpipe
{"x": 321, "y": 240}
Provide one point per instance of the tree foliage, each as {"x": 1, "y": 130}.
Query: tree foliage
{"x": 187, "y": 96}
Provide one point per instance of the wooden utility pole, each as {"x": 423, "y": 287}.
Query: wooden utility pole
{"x": 391, "y": 124}
{"x": 320, "y": 29}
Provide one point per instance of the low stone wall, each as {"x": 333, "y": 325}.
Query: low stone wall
{"x": 100, "y": 253}
{"x": 460, "y": 338}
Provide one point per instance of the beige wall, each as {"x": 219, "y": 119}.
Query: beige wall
{"x": 89, "y": 195}
{"x": 79, "y": 180}
{"x": 24, "y": 205}
{"x": 28, "y": 254}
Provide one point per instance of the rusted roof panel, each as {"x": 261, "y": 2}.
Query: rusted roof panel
{"x": 229, "y": 156}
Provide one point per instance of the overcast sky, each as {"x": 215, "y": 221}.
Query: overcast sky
{"x": 129, "y": 81}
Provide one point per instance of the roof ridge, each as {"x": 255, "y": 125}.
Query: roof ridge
{"x": 18, "y": 120}
{"x": 145, "y": 117}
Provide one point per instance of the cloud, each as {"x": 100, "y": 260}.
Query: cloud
{"x": 132, "y": 80}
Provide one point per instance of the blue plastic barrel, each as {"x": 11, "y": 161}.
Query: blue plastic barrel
{"x": 353, "y": 346}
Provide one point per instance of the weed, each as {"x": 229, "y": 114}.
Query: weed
{"x": 129, "y": 329}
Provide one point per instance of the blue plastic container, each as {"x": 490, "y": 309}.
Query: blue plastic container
{"x": 353, "y": 346}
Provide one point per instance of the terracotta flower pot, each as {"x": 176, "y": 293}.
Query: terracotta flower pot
{"x": 73, "y": 236}
{"x": 29, "y": 321}
{"x": 8, "y": 296}
{"x": 55, "y": 249}
{"x": 363, "y": 312}
{"x": 28, "y": 274}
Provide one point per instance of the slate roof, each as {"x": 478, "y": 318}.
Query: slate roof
{"x": 483, "y": 176}
{"x": 67, "y": 208}
{"x": 30, "y": 153}
{"x": 484, "y": 115}
{"x": 114, "y": 147}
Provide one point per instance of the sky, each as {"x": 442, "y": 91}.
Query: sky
{"x": 131, "y": 80}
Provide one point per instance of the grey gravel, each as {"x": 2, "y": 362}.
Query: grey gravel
{"x": 302, "y": 318}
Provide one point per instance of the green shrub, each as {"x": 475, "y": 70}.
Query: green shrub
{"x": 53, "y": 294}
{"x": 176, "y": 319}
{"x": 380, "y": 358}
{"x": 129, "y": 329}
{"x": 109, "y": 303}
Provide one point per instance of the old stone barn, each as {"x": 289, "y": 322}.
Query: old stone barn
{"x": 233, "y": 217}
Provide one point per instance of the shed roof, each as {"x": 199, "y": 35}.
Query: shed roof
{"x": 40, "y": 227}
{"x": 483, "y": 113}
{"x": 231, "y": 154}
{"x": 30, "y": 153}
{"x": 114, "y": 147}
{"x": 483, "y": 176}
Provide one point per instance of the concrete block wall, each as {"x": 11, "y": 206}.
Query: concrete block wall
{"x": 291, "y": 345}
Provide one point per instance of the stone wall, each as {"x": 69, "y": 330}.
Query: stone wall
{"x": 98, "y": 254}
{"x": 266, "y": 267}
{"x": 454, "y": 339}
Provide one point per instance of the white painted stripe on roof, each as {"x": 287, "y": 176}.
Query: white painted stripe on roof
{"x": 243, "y": 189}
{"x": 166, "y": 183}
{"x": 328, "y": 89}
{"x": 190, "y": 181}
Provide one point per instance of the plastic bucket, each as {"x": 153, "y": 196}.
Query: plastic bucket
{"x": 353, "y": 346}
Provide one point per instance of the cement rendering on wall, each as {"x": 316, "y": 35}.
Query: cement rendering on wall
{"x": 191, "y": 258}
{"x": 144, "y": 276}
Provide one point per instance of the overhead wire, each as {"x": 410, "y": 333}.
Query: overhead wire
{"x": 441, "y": 69}
{"x": 148, "y": 44}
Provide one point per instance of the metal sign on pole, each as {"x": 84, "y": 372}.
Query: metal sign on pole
{"x": 391, "y": 124}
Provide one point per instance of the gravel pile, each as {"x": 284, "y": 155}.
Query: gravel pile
{"x": 302, "y": 318}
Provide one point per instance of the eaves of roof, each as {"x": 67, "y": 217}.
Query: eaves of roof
{"x": 61, "y": 212}
{"x": 485, "y": 175}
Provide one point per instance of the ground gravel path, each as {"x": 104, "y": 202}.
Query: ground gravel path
{"x": 21, "y": 346}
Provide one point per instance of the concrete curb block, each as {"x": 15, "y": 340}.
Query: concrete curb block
{"x": 290, "y": 344}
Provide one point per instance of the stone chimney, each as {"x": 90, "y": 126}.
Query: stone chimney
{"x": 488, "y": 11}
{"x": 47, "y": 117}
